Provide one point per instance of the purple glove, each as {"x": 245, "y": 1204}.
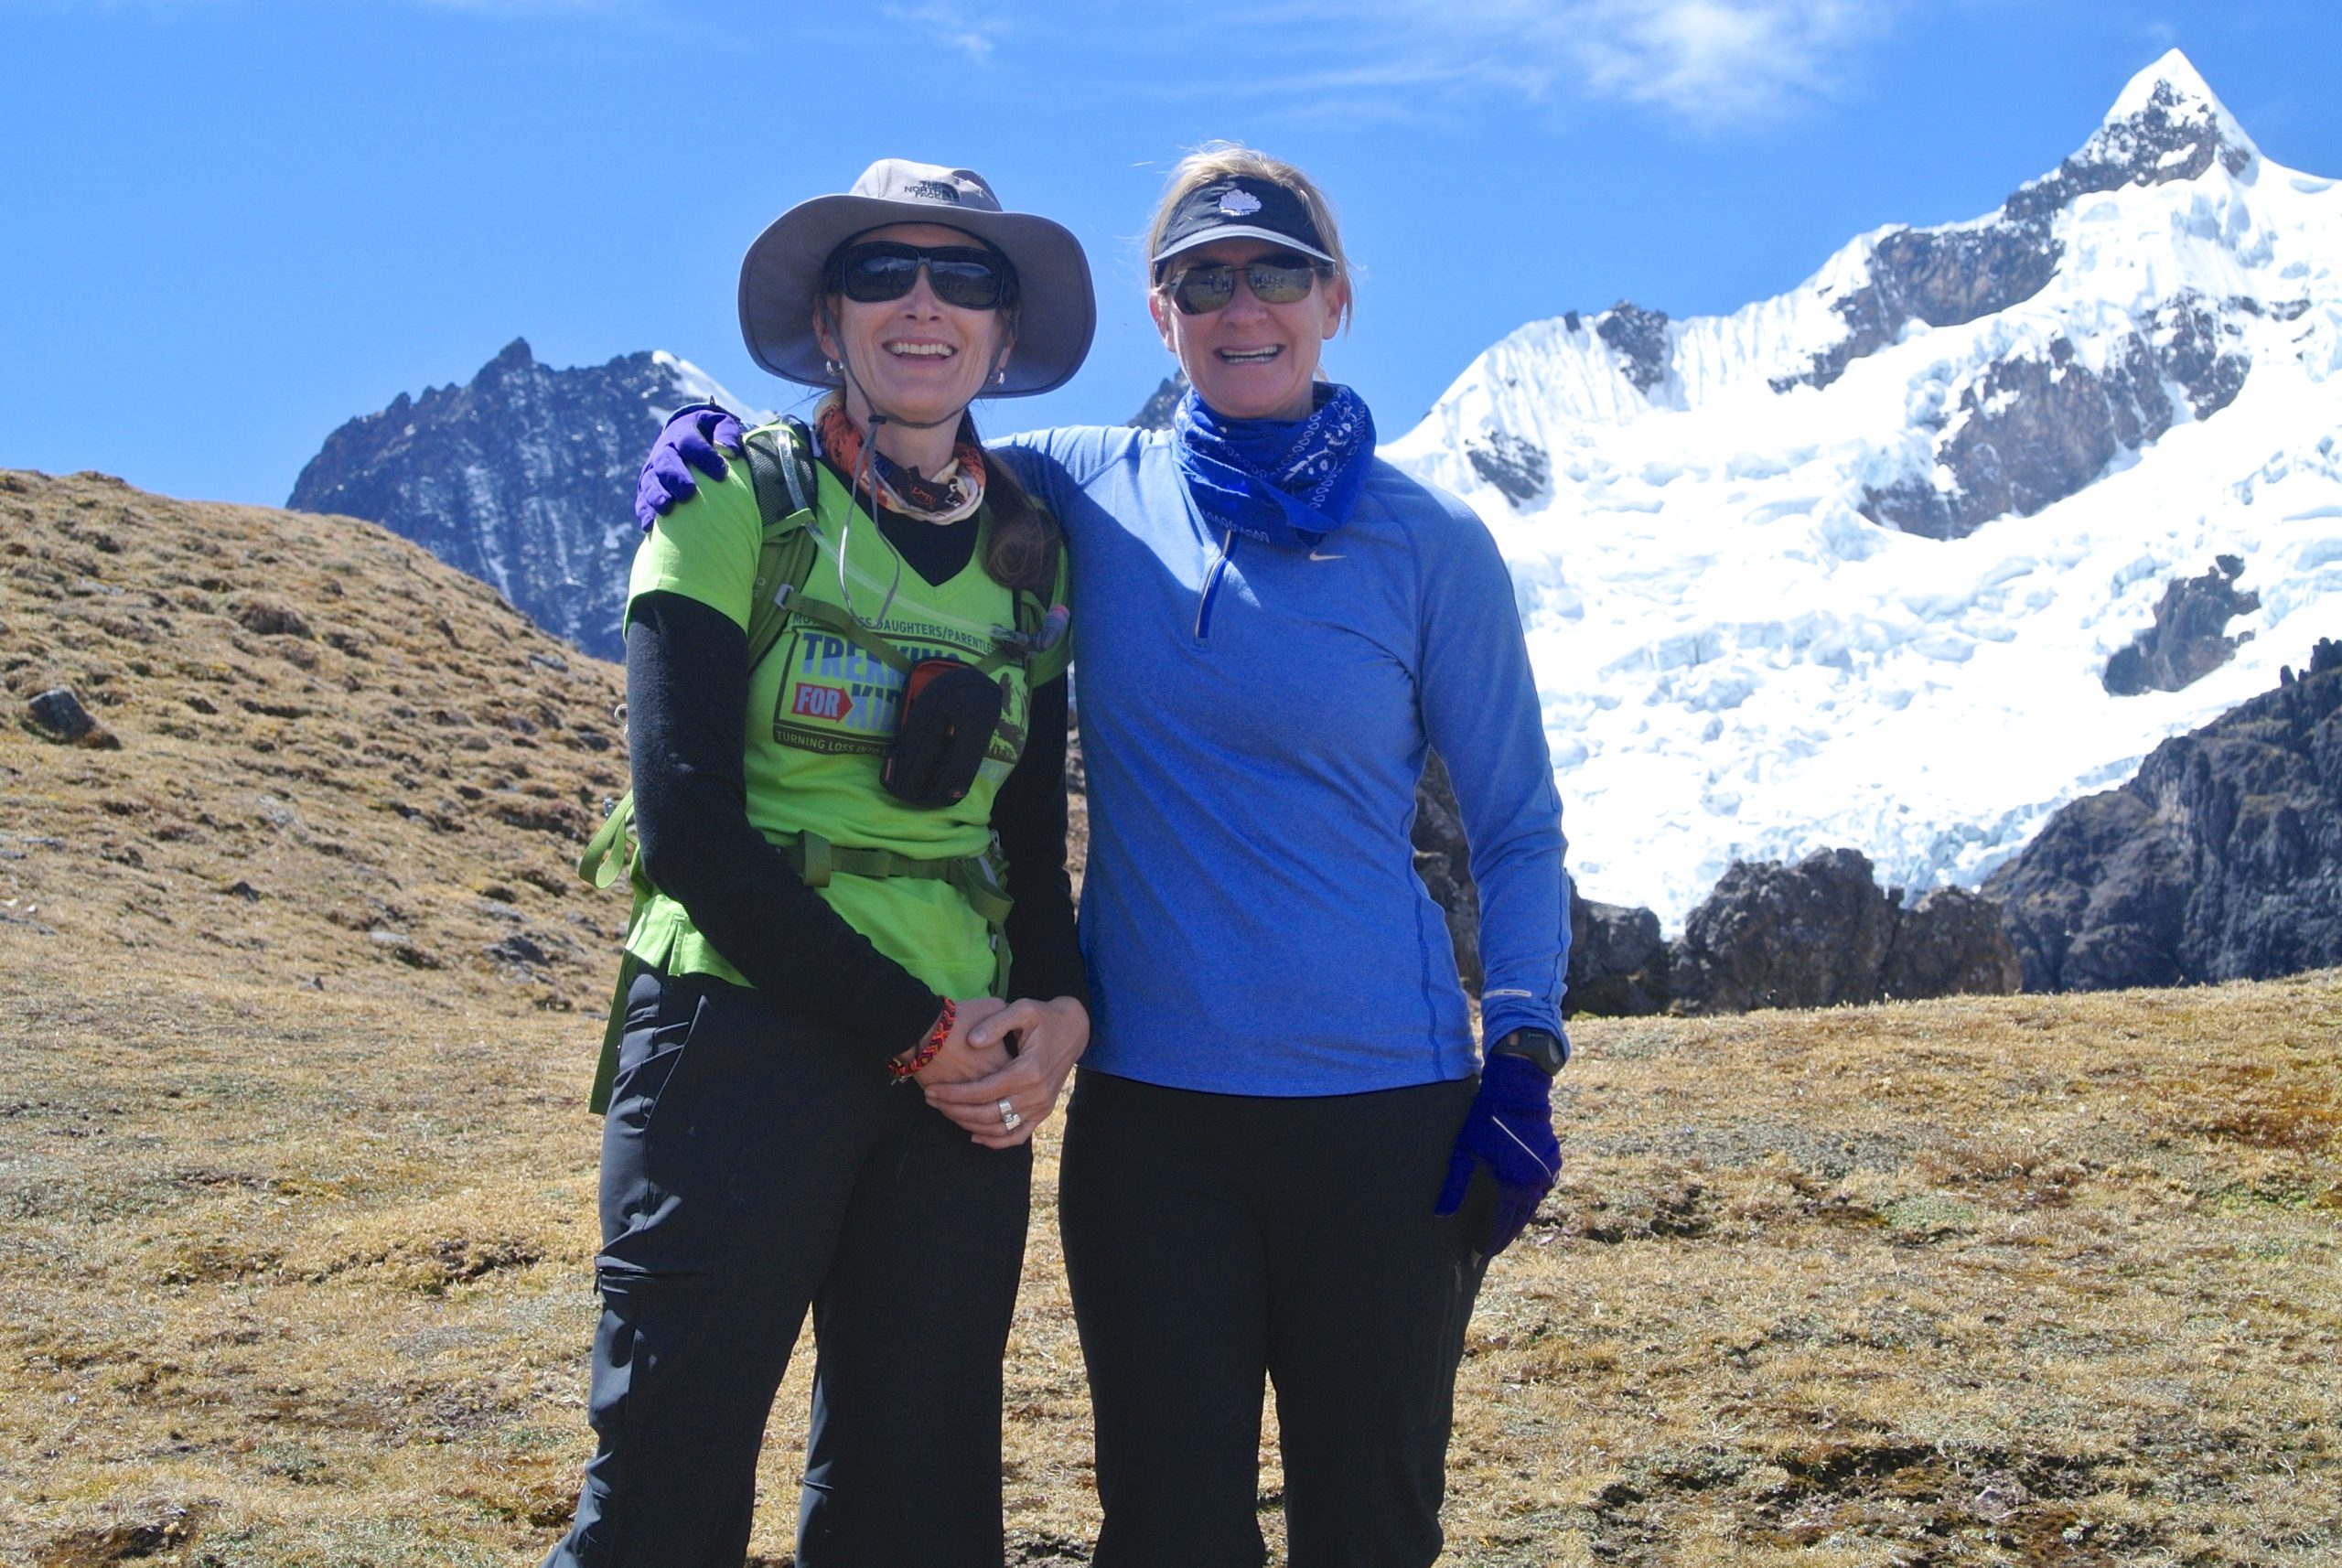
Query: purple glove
{"x": 1511, "y": 1127}
{"x": 689, "y": 441}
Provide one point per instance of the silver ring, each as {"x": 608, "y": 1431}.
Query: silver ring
{"x": 1009, "y": 1119}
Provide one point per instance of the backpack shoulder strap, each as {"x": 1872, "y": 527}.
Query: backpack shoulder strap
{"x": 780, "y": 464}
{"x": 780, "y": 461}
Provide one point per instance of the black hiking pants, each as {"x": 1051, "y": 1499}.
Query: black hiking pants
{"x": 1217, "y": 1243}
{"x": 752, "y": 1166}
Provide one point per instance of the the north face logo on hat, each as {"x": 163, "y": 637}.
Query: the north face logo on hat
{"x": 934, "y": 190}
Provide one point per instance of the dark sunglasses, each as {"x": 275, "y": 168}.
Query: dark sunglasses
{"x": 966, "y": 275}
{"x": 1275, "y": 280}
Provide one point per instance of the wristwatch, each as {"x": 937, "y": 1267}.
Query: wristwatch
{"x": 1547, "y": 1049}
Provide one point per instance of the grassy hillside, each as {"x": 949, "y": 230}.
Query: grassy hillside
{"x": 296, "y": 1182}
{"x": 336, "y": 756}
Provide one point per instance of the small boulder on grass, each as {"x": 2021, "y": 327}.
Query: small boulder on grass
{"x": 57, "y": 714}
{"x": 268, "y": 618}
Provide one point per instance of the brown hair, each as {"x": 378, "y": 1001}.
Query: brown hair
{"x": 1025, "y": 538}
{"x": 1219, "y": 160}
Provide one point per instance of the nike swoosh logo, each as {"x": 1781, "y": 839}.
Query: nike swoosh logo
{"x": 1323, "y": 555}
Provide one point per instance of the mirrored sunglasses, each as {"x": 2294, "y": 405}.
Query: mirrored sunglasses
{"x": 1275, "y": 280}
{"x": 966, "y": 275}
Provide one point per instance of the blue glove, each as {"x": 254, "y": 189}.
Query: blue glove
{"x": 693, "y": 433}
{"x": 1510, "y": 1127}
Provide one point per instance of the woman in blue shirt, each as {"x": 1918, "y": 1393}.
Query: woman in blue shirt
{"x": 1285, "y": 1164}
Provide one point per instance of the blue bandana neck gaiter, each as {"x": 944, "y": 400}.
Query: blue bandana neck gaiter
{"x": 1287, "y": 482}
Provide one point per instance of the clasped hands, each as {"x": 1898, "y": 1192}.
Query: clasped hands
{"x": 975, "y": 1082}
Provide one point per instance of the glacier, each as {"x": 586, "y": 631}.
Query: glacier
{"x": 1846, "y": 566}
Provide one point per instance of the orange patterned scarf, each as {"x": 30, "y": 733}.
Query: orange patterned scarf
{"x": 954, "y": 494}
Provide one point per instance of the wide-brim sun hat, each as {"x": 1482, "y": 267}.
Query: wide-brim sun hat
{"x": 781, "y": 277}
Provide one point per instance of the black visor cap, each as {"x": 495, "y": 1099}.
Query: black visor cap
{"x": 1240, "y": 207}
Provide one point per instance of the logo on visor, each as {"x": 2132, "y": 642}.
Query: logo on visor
{"x": 1239, "y": 204}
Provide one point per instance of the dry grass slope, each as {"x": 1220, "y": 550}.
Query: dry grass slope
{"x": 336, "y": 753}
{"x": 292, "y": 1275}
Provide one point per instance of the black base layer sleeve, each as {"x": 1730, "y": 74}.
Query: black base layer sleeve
{"x": 686, "y": 682}
{"x": 1029, "y": 814}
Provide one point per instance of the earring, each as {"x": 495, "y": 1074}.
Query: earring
{"x": 1000, "y": 377}
{"x": 833, "y": 367}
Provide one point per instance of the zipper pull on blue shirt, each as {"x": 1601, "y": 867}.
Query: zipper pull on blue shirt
{"x": 1218, "y": 569}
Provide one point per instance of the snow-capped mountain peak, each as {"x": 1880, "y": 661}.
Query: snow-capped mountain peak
{"x": 1848, "y": 566}
{"x": 2170, "y": 93}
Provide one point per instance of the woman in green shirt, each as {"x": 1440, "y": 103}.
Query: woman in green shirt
{"x": 821, "y": 858}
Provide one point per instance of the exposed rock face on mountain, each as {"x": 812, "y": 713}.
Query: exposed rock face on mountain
{"x": 2222, "y": 860}
{"x": 2038, "y": 426}
{"x": 1640, "y": 337}
{"x": 1517, "y": 468}
{"x": 2033, "y": 431}
{"x": 1156, "y": 413}
{"x": 1947, "y": 277}
{"x": 2189, "y": 639}
{"x": 1821, "y": 933}
{"x": 524, "y": 479}
{"x": 1774, "y": 564}
{"x": 2165, "y": 128}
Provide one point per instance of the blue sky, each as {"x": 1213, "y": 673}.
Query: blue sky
{"x": 232, "y": 224}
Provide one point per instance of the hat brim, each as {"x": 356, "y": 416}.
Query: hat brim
{"x": 1240, "y": 231}
{"x": 780, "y": 278}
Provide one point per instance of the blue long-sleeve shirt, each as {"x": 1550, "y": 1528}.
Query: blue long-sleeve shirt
{"x": 1250, "y": 916}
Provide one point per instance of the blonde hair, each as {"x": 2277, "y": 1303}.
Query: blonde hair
{"x": 1220, "y": 160}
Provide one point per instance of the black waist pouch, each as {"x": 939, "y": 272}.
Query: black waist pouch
{"x": 949, "y": 712}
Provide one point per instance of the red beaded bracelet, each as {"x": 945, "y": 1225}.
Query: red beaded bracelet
{"x": 928, "y": 1048}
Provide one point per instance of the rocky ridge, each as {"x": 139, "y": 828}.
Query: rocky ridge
{"x": 524, "y": 478}
{"x": 1821, "y": 933}
{"x": 2220, "y": 860}
{"x": 2189, "y": 637}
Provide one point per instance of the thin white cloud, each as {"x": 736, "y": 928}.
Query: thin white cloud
{"x": 1716, "y": 60}
{"x": 1710, "y": 63}
{"x": 950, "y": 25}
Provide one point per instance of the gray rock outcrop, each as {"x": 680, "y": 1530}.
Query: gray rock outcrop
{"x": 2189, "y": 637}
{"x": 1815, "y": 934}
{"x": 2033, "y": 431}
{"x": 1639, "y": 337}
{"x": 57, "y": 714}
{"x": 1952, "y": 942}
{"x": 1443, "y": 860}
{"x": 1810, "y": 935}
{"x": 1618, "y": 962}
{"x": 1519, "y": 468}
{"x": 1821, "y": 932}
{"x": 2221, "y": 859}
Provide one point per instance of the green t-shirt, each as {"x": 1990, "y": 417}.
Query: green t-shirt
{"x": 821, "y": 712}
